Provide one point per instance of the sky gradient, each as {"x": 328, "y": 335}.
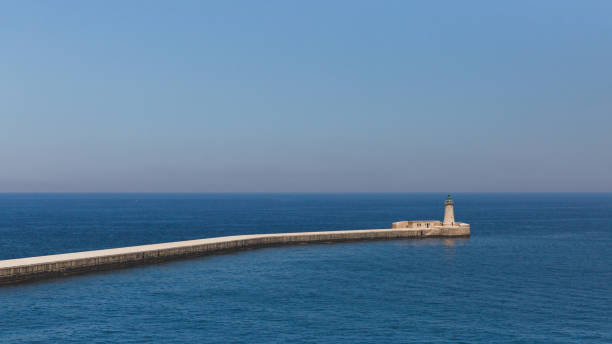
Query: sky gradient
{"x": 309, "y": 96}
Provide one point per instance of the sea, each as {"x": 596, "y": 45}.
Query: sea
{"x": 536, "y": 269}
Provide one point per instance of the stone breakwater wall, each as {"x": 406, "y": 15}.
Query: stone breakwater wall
{"x": 26, "y": 269}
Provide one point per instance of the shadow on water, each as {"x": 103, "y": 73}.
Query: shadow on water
{"x": 449, "y": 242}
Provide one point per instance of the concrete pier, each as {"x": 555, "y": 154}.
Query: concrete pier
{"x": 33, "y": 268}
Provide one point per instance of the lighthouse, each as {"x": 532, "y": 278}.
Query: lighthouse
{"x": 448, "y": 225}
{"x": 449, "y": 212}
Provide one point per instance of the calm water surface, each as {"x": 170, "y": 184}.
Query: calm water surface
{"x": 537, "y": 269}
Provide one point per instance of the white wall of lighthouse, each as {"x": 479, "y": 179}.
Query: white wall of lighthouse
{"x": 449, "y": 212}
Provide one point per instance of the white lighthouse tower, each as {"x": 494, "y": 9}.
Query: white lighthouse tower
{"x": 449, "y": 212}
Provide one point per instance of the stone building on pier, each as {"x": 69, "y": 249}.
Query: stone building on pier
{"x": 449, "y": 219}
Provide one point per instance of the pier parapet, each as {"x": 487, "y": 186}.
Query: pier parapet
{"x": 33, "y": 268}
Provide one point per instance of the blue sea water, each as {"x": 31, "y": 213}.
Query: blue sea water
{"x": 537, "y": 269}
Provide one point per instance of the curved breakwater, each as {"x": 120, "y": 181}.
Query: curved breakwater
{"x": 33, "y": 268}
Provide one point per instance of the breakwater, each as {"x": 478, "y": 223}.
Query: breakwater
{"x": 26, "y": 269}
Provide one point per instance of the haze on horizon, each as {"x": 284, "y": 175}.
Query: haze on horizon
{"x": 312, "y": 96}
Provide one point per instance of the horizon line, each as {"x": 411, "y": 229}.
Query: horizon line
{"x": 302, "y": 192}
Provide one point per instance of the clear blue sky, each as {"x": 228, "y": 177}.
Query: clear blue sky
{"x": 348, "y": 96}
